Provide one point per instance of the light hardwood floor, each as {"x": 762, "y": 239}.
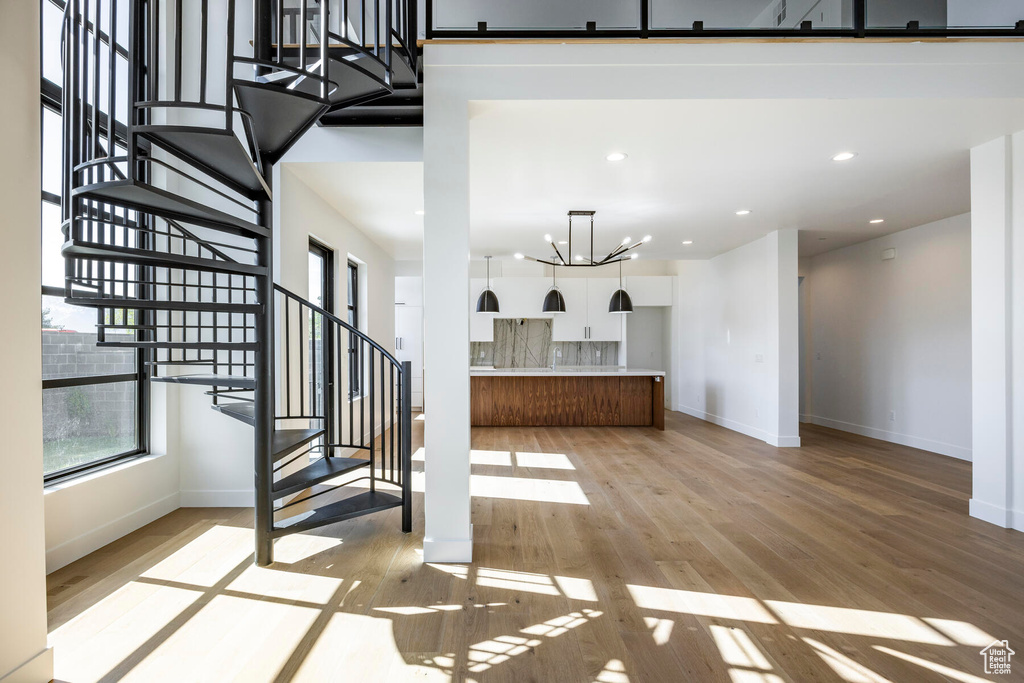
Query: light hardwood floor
{"x": 601, "y": 554}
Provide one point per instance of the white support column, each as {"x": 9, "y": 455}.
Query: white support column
{"x": 24, "y": 655}
{"x": 997, "y": 297}
{"x": 448, "y": 536}
{"x": 784, "y": 342}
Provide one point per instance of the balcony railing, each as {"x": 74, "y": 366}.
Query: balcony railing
{"x": 498, "y": 19}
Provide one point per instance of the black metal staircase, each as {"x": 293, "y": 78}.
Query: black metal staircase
{"x": 174, "y": 113}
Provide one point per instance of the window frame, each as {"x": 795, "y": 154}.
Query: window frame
{"x": 355, "y": 361}
{"x": 326, "y": 256}
{"x": 51, "y": 99}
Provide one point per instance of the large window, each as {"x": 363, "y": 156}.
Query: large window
{"x": 355, "y": 363}
{"x": 93, "y": 397}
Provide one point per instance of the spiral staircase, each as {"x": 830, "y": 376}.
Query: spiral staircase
{"x": 174, "y": 113}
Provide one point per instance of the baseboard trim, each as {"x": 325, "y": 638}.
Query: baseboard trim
{"x": 958, "y": 452}
{"x": 442, "y": 550}
{"x": 241, "y": 498}
{"x": 784, "y": 441}
{"x": 727, "y": 423}
{"x": 80, "y": 546}
{"x": 39, "y": 669}
{"x": 770, "y": 439}
{"x": 992, "y": 514}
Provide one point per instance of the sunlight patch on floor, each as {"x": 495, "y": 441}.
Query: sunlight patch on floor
{"x": 495, "y": 458}
{"x": 701, "y": 604}
{"x": 845, "y": 668}
{"x": 284, "y": 585}
{"x": 857, "y": 622}
{"x": 489, "y": 653}
{"x": 507, "y": 488}
{"x": 357, "y": 648}
{"x": 533, "y": 490}
{"x": 98, "y": 639}
{"x": 413, "y": 610}
{"x": 949, "y": 672}
{"x": 661, "y": 629}
{"x": 230, "y": 638}
{"x": 961, "y": 631}
{"x": 298, "y": 547}
{"x": 207, "y": 559}
{"x": 548, "y": 461}
{"x": 737, "y": 649}
{"x": 613, "y": 672}
{"x": 544, "y": 584}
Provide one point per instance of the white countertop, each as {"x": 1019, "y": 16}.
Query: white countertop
{"x": 577, "y": 371}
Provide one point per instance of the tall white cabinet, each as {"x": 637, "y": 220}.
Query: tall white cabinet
{"x": 409, "y": 330}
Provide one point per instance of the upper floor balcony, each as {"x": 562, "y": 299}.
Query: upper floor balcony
{"x": 540, "y": 19}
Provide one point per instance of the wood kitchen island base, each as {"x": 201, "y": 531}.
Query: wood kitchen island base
{"x": 567, "y": 400}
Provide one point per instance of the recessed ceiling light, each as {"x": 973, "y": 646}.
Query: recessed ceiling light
{"x": 519, "y": 256}
{"x": 743, "y": 212}
{"x": 877, "y": 220}
{"x": 844, "y": 156}
{"x": 616, "y": 156}
{"x": 563, "y": 241}
{"x": 687, "y": 242}
{"x": 420, "y": 212}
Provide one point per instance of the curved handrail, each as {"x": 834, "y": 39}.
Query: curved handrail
{"x": 335, "y": 319}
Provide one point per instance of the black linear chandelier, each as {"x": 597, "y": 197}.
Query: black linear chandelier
{"x": 619, "y": 253}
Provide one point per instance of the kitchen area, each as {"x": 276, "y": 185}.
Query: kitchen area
{"x": 554, "y": 345}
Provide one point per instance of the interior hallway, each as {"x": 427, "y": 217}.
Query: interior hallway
{"x": 601, "y": 554}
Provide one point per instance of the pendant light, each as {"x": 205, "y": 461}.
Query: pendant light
{"x": 620, "y": 303}
{"x": 554, "y": 302}
{"x": 488, "y": 301}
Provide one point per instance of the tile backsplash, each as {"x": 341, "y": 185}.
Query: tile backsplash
{"x": 526, "y": 343}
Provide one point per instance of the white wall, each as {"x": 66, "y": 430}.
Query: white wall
{"x": 726, "y": 343}
{"x": 23, "y": 652}
{"x": 889, "y": 348}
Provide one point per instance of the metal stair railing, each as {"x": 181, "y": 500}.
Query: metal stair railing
{"x": 317, "y": 356}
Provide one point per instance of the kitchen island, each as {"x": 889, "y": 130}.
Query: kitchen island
{"x": 569, "y": 397}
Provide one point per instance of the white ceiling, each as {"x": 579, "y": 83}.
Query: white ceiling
{"x": 691, "y": 165}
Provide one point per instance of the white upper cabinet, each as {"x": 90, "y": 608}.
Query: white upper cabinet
{"x": 409, "y": 291}
{"x": 481, "y": 325}
{"x": 650, "y": 290}
{"x": 571, "y": 325}
{"x": 521, "y": 297}
{"x": 603, "y": 326}
{"x": 586, "y": 316}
